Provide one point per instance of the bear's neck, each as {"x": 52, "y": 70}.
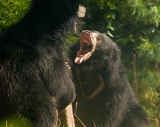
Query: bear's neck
{"x": 47, "y": 18}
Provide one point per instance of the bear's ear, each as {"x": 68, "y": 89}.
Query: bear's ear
{"x": 81, "y": 11}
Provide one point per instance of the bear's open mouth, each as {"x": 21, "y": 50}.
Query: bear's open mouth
{"x": 87, "y": 46}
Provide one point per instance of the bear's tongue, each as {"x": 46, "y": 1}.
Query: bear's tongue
{"x": 78, "y": 60}
{"x": 82, "y": 55}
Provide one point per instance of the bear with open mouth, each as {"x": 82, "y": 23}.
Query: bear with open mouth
{"x": 104, "y": 95}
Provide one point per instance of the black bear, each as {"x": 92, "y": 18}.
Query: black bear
{"x": 104, "y": 95}
{"x": 34, "y": 82}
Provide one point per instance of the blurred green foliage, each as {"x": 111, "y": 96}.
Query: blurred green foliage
{"x": 14, "y": 121}
{"x": 11, "y": 11}
{"x": 134, "y": 25}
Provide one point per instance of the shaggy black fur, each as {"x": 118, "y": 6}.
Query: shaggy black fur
{"x": 34, "y": 82}
{"x": 115, "y": 105}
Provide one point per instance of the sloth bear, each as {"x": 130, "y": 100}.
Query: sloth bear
{"x": 34, "y": 82}
{"x": 104, "y": 95}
